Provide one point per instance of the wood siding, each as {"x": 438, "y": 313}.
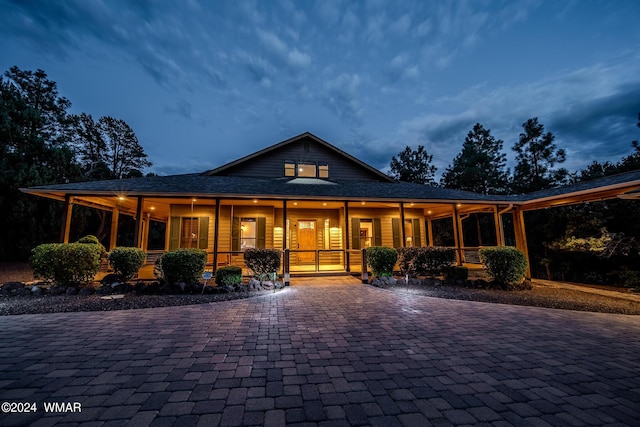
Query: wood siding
{"x": 271, "y": 164}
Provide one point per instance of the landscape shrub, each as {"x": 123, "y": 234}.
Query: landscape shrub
{"x": 93, "y": 240}
{"x": 456, "y": 272}
{"x": 126, "y": 261}
{"x": 506, "y": 265}
{"x": 408, "y": 261}
{"x": 183, "y": 265}
{"x": 262, "y": 262}
{"x": 228, "y": 276}
{"x": 382, "y": 260}
{"x": 434, "y": 260}
{"x": 65, "y": 262}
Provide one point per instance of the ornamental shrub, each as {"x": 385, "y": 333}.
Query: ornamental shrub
{"x": 65, "y": 262}
{"x": 433, "y": 261}
{"x": 262, "y": 262}
{"x": 183, "y": 265}
{"x": 408, "y": 260}
{"x": 228, "y": 276}
{"x": 93, "y": 240}
{"x": 504, "y": 264}
{"x": 126, "y": 261}
{"x": 382, "y": 260}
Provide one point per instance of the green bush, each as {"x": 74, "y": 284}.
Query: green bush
{"x": 183, "y": 265}
{"x": 382, "y": 260}
{"x": 434, "y": 261}
{"x": 93, "y": 240}
{"x": 229, "y": 276}
{"x": 126, "y": 261}
{"x": 408, "y": 261}
{"x": 65, "y": 262}
{"x": 504, "y": 264}
{"x": 262, "y": 262}
{"x": 456, "y": 272}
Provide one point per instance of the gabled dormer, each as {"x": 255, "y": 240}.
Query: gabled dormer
{"x": 303, "y": 156}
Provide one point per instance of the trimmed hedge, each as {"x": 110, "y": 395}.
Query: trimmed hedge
{"x": 436, "y": 260}
{"x": 262, "y": 262}
{"x": 183, "y": 265}
{"x": 228, "y": 276}
{"x": 126, "y": 261}
{"x": 93, "y": 240}
{"x": 382, "y": 260}
{"x": 66, "y": 262}
{"x": 504, "y": 264}
{"x": 431, "y": 261}
{"x": 408, "y": 261}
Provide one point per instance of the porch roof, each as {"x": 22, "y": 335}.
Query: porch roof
{"x": 624, "y": 185}
{"x": 191, "y": 185}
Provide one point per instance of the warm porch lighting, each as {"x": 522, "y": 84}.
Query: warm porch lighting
{"x": 255, "y": 200}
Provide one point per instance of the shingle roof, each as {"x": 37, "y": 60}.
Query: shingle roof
{"x": 212, "y": 186}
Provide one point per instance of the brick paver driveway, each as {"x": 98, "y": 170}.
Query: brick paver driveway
{"x": 324, "y": 355}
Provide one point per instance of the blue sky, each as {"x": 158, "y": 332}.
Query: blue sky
{"x": 206, "y": 82}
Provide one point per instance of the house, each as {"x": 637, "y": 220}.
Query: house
{"x": 320, "y": 204}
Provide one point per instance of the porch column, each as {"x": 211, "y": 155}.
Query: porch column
{"x": 66, "y": 219}
{"x": 347, "y": 237}
{"x": 138, "y": 229}
{"x": 145, "y": 232}
{"x": 284, "y": 224}
{"x": 456, "y": 235}
{"x": 113, "y": 239}
{"x": 402, "y": 230}
{"x": 216, "y": 234}
{"x": 498, "y": 224}
{"x": 521, "y": 236}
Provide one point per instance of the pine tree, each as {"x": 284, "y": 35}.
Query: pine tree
{"x": 480, "y": 166}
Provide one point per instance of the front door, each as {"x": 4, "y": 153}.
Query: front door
{"x": 306, "y": 240}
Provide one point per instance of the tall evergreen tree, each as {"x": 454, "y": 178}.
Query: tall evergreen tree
{"x": 34, "y": 129}
{"x": 537, "y": 154}
{"x": 413, "y": 166}
{"x": 480, "y": 166}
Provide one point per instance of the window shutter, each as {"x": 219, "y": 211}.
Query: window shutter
{"x": 417, "y": 241}
{"x": 377, "y": 232}
{"x": 235, "y": 234}
{"x": 174, "y": 233}
{"x": 395, "y": 228}
{"x": 355, "y": 233}
{"x": 261, "y": 232}
{"x": 203, "y": 232}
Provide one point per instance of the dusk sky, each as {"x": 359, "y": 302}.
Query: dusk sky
{"x": 206, "y": 82}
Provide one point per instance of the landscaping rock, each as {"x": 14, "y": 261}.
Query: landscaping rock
{"x": 86, "y": 291}
{"x": 104, "y": 290}
{"x": 36, "y": 290}
{"x": 110, "y": 279}
{"x": 71, "y": 290}
{"x": 12, "y": 286}
{"x": 21, "y": 292}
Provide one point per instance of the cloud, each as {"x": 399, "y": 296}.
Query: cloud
{"x": 279, "y": 48}
{"x": 340, "y": 95}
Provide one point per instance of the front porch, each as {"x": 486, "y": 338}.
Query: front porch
{"x": 320, "y": 237}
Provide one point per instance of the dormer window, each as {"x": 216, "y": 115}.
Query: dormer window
{"x": 306, "y": 169}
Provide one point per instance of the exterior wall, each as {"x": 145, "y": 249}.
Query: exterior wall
{"x": 272, "y": 164}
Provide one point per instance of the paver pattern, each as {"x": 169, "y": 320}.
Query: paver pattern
{"x": 326, "y": 355}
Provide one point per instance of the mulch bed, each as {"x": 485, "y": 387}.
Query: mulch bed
{"x": 539, "y": 296}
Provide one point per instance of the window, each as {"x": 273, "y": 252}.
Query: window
{"x": 189, "y": 233}
{"x": 306, "y": 169}
{"x": 366, "y": 233}
{"x": 247, "y": 233}
{"x": 408, "y": 233}
{"x": 323, "y": 170}
{"x": 289, "y": 168}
